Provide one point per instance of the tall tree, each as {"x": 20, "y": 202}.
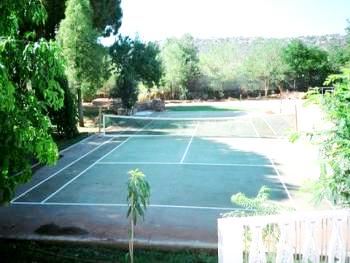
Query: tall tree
{"x": 134, "y": 62}
{"x": 220, "y": 64}
{"x": 105, "y": 13}
{"x": 308, "y": 65}
{"x": 83, "y": 54}
{"x": 180, "y": 57}
{"x": 28, "y": 73}
{"x": 264, "y": 64}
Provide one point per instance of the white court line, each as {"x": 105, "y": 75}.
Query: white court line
{"x": 269, "y": 125}
{"x": 282, "y": 182}
{"x": 145, "y": 135}
{"x": 189, "y": 143}
{"x": 186, "y": 163}
{"x": 174, "y": 118}
{"x": 125, "y": 205}
{"x": 88, "y": 168}
{"x": 54, "y": 174}
{"x": 254, "y": 128}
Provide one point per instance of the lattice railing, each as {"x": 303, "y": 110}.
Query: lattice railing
{"x": 322, "y": 236}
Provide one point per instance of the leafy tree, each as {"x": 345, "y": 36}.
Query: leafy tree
{"x": 264, "y": 64}
{"x": 134, "y": 62}
{"x": 308, "y": 65}
{"x": 334, "y": 182}
{"x": 220, "y": 63}
{"x": 181, "y": 65}
{"x": 83, "y": 54}
{"x": 338, "y": 57}
{"x": 28, "y": 79}
{"x": 105, "y": 13}
{"x": 65, "y": 118}
{"x": 138, "y": 200}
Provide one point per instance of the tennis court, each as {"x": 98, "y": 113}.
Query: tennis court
{"x": 193, "y": 162}
{"x": 193, "y": 165}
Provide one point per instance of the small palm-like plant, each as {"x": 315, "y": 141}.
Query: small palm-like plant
{"x": 138, "y": 199}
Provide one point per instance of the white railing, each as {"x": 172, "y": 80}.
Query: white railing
{"x": 317, "y": 237}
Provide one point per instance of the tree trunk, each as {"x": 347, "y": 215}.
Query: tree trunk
{"x": 131, "y": 244}
{"x": 80, "y": 108}
{"x": 279, "y": 86}
{"x": 131, "y": 231}
{"x": 266, "y": 88}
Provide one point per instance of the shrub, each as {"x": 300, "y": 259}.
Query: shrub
{"x": 65, "y": 119}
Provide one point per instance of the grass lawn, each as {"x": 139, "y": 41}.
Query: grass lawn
{"x": 200, "y": 108}
{"x": 30, "y": 251}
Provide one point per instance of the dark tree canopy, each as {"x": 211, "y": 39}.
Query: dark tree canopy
{"x": 134, "y": 62}
{"x": 308, "y": 65}
{"x": 105, "y": 12}
{"x": 65, "y": 119}
{"x": 55, "y": 13}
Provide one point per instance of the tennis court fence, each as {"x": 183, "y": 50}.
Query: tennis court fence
{"x": 322, "y": 236}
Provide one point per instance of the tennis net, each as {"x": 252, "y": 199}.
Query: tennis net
{"x": 242, "y": 126}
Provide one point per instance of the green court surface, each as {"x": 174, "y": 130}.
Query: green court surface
{"x": 193, "y": 167}
{"x": 216, "y": 124}
{"x": 194, "y": 108}
{"x": 182, "y": 171}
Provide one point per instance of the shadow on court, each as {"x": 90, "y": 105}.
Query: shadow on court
{"x": 192, "y": 180}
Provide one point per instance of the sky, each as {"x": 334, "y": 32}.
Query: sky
{"x": 160, "y": 19}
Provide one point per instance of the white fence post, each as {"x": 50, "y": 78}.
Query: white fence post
{"x": 230, "y": 244}
{"x": 315, "y": 236}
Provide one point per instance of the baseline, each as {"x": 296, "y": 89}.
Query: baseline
{"x": 187, "y": 163}
{"x": 126, "y": 205}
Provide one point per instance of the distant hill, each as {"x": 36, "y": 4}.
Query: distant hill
{"x": 244, "y": 43}
{"x": 325, "y": 42}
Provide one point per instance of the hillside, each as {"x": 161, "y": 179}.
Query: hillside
{"x": 325, "y": 42}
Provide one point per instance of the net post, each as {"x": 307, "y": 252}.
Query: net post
{"x": 296, "y": 116}
{"x": 99, "y": 118}
{"x": 103, "y": 125}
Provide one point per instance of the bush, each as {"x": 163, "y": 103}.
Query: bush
{"x": 334, "y": 182}
{"x": 126, "y": 90}
{"x": 65, "y": 119}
